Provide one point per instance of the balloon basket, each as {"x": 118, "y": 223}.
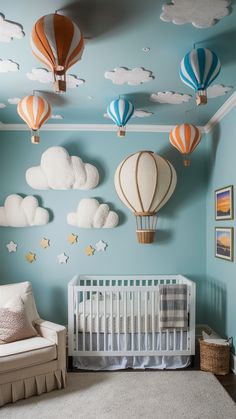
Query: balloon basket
{"x": 186, "y": 162}
{"x": 59, "y": 86}
{"x": 201, "y": 100}
{"x": 145, "y": 236}
{"x": 121, "y": 133}
{"x": 35, "y": 139}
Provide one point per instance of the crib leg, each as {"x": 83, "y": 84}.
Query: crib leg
{"x": 70, "y": 363}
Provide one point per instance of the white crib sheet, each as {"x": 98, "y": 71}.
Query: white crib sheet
{"x": 123, "y": 323}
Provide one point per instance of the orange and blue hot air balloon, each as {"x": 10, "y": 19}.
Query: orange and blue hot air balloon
{"x": 120, "y": 111}
{"x": 185, "y": 138}
{"x": 34, "y": 110}
{"x": 58, "y": 43}
{"x": 198, "y": 70}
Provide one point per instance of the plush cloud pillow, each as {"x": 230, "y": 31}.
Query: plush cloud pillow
{"x": 14, "y": 323}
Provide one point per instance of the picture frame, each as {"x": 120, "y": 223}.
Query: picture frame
{"x": 224, "y": 203}
{"x": 224, "y": 243}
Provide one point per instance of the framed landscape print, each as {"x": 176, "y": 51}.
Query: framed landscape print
{"x": 224, "y": 203}
{"x": 224, "y": 243}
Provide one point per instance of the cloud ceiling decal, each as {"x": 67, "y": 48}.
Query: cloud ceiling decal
{"x": 7, "y": 66}
{"x": 45, "y": 76}
{"x": 13, "y": 100}
{"x": 132, "y": 77}
{"x": 140, "y": 113}
{"x": 91, "y": 214}
{"x": 2, "y": 105}
{"x": 59, "y": 170}
{"x": 22, "y": 212}
{"x": 218, "y": 90}
{"x": 9, "y": 30}
{"x": 201, "y": 13}
{"x": 57, "y": 116}
{"x": 173, "y": 98}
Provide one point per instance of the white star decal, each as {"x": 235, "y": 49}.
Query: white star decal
{"x": 101, "y": 246}
{"x": 62, "y": 258}
{"x": 11, "y": 247}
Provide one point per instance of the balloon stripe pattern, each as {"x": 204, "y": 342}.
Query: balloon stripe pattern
{"x": 185, "y": 138}
{"x": 57, "y": 42}
{"x": 199, "y": 68}
{"x": 120, "y": 111}
{"x": 34, "y": 110}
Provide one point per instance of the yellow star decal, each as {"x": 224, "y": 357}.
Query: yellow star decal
{"x": 72, "y": 238}
{"x": 44, "y": 243}
{"x": 30, "y": 257}
{"x": 89, "y": 250}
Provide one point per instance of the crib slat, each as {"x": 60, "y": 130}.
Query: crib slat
{"x": 105, "y": 321}
{"x": 174, "y": 340}
{"x": 181, "y": 340}
{"x": 98, "y": 346}
{"x": 84, "y": 326}
{"x": 146, "y": 321}
{"x": 132, "y": 321}
{"x": 111, "y": 318}
{"x": 167, "y": 340}
{"x": 139, "y": 322}
{"x": 91, "y": 322}
{"x": 125, "y": 319}
{"x": 76, "y": 320}
{"x": 153, "y": 320}
{"x": 118, "y": 318}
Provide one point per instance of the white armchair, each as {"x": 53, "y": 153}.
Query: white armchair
{"x": 36, "y": 365}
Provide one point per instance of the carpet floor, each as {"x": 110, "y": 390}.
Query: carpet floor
{"x": 121, "y": 395}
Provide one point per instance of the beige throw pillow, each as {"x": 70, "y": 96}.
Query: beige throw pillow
{"x": 14, "y": 323}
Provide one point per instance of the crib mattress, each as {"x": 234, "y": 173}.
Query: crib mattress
{"x": 99, "y": 315}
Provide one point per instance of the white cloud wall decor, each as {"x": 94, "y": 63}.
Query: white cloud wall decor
{"x": 9, "y": 30}
{"x": 22, "y": 212}
{"x": 132, "y": 77}
{"x": 91, "y": 214}
{"x": 140, "y": 113}
{"x": 13, "y": 100}
{"x": 218, "y": 90}
{"x": 2, "y": 105}
{"x": 7, "y": 66}
{"x": 59, "y": 170}
{"x": 45, "y": 76}
{"x": 56, "y": 116}
{"x": 173, "y": 98}
{"x": 201, "y": 13}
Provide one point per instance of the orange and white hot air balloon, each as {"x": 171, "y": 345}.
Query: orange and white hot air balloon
{"x": 34, "y": 110}
{"x": 185, "y": 138}
{"x": 58, "y": 43}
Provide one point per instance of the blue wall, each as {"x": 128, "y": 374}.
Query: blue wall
{"x": 180, "y": 239}
{"x": 221, "y": 274}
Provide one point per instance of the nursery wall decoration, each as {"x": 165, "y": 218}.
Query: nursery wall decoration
{"x": 72, "y": 238}
{"x": 224, "y": 243}
{"x": 58, "y": 43}
{"x": 141, "y": 113}
{"x": 22, "y": 212}
{"x": 30, "y": 257}
{"x": 145, "y": 182}
{"x": 132, "y": 77}
{"x": 44, "y": 243}
{"x": 198, "y": 69}
{"x": 185, "y": 138}
{"x": 34, "y": 110}
{"x": 91, "y": 214}
{"x": 173, "y": 98}
{"x": 8, "y": 66}
{"x": 218, "y": 90}
{"x": 201, "y": 13}
{"x": 58, "y": 170}
{"x": 101, "y": 246}
{"x": 13, "y": 100}
{"x": 9, "y": 30}
{"x": 12, "y": 247}
{"x": 89, "y": 250}
{"x": 120, "y": 111}
{"x": 44, "y": 76}
{"x": 62, "y": 258}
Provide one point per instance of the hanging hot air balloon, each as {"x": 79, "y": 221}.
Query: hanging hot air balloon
{"x": 34, "y": 110}
{"x": 144, "y": 182}
{"x": 198, "y": 69}
{"x": 120, "y": 111}
{"x": 58, "y": 43}
{"x": 185, "y": 138}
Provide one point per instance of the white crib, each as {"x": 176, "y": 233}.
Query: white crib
{"x": 117, "y": 316}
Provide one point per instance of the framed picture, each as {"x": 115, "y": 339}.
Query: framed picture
{"x": 224, "y": 237}
{"x": 224, "y": 203}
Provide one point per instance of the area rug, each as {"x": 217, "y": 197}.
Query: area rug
{"x": 121, "y": 395}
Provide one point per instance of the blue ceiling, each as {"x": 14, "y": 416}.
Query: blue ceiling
{"x": 117, "y": 32}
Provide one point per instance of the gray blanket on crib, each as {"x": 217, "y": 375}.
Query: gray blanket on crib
{"x": 173, "y": 306}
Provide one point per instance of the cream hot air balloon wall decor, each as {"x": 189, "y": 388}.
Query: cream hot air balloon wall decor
{"x": 34, "y": 110}
{"x": 58, "y": 43}
{"x": 185, "y": 138}
{"x": 144, "y": 182}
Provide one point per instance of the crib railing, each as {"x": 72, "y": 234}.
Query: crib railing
{"x": 117, "y": 316}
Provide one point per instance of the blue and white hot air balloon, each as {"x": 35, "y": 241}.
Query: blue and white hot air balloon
{"x": 120, "y": 111}
{"x": 198, "y": 69}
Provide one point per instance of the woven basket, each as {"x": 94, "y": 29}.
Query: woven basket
{"x": 214, "y": 358}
